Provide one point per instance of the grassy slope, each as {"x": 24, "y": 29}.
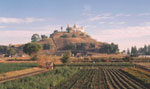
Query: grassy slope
{"x": 59, "y": 42}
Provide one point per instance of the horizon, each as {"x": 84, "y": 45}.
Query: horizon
{"x": 125, "y": 23}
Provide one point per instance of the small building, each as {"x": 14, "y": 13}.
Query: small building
{"x": 49, "y": 65}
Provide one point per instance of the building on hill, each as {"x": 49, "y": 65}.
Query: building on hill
{"x": 75, "y": 28}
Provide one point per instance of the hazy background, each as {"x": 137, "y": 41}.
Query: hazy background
{"x": 125, "y": 22}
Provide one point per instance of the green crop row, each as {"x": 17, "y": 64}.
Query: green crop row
{"x": 100, "y": 79}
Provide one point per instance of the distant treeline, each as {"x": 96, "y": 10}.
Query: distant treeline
{"x": 139, "y": 51}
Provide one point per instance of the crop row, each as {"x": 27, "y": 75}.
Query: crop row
{"x": 97, "y": 64}
{"x": 138, "y": 74}
{"x": 119, "y": 80}
{"x": 100, "y": 79}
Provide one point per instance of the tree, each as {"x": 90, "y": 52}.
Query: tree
{"x": 127, "y": 58}
{"x": 82, "y": 34}
{"x": 148, "y": 52}
{"x": 145, "y": 49}
{"x": 65, "y": 58}
{"x": 55, "y": 31}
{"x": 68, "y": 29}
{"x": 32, "y": 48}
{"x": 128, "y": 51}
{"x": 73, "y": 36}
{"x": 46, "y": 46}
{"x": 3, "y": 49}
{"x": 133, "y": 50}
{"x": 92, "y": 45}
{"x": 114, "y": 48}
{"x": 81, "y": 46}
{"x": 51, "y": 35}
{"x": 70, "y": 47}
{"x": 109, "y": 48}
{"x": 64, "y": 36}
{"x": 43, "y": 37}
{"x": 140, "y": 51}
{"x": 11, "y": 52}
{"x": 35, "y": 38}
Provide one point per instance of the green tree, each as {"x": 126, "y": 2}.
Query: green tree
{"x": 114, "y": 48}
{"x": 133, "y": 50}
{"x": 46, "y": 46}
{"x": 127, "y": 58}
{"x": 82, "y": 34}
{"x": 128, "y": 51}
{"x": 73, "y": 36}
{"x": 11, "y": 52}
{"x": 148, "y": 52}
{"x": 55, "y": 31}
{"x": 3, "y": 49}
{"x": 68, "y": 29}
{"x": 32, "y": 48}
{"x": 64, "y": 36}
{"x": 70, "y": 47}
{"x": 145, "y": 49}
{"x": 109, "y": 48}
{"x": 43, "y": 37}
{"x": 35, "y": 38}
{"x": 81, "y": 46}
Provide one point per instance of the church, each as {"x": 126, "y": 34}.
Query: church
{"x": 75, "y": 28}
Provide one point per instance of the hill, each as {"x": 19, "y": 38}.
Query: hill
{"x": 77, "y": 42}
{"x": 73, "y": 39}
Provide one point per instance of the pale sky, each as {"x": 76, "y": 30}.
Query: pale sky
{"x": 124, "y": 22}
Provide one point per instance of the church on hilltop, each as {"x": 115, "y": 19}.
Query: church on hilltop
{"x": 75, "y": 28}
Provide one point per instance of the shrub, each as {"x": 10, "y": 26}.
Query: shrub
{"x": 55, "y": 31}
{"x": 64, "y": 36}
{"x": 65, "y": 58}
{"x": 46, "y": 46}
{"x": 35, "y": 57}
{"x": 73, "y": 35}
{"x": 43, "y": 59}
{"x": 127, "y": 58}
{"x": 82, "y": 34}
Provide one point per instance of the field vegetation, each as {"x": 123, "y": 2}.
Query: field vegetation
{"x": 40, "y": 81}
{"x": 99, "y": 78}
{"x": 126, "y": 64}
{"x": 139, "y": 74}
{"x": 18, "y": 73}
{"x": 7, "y": 67}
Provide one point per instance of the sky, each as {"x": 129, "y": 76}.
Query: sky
{"x": 124, "y": 22}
